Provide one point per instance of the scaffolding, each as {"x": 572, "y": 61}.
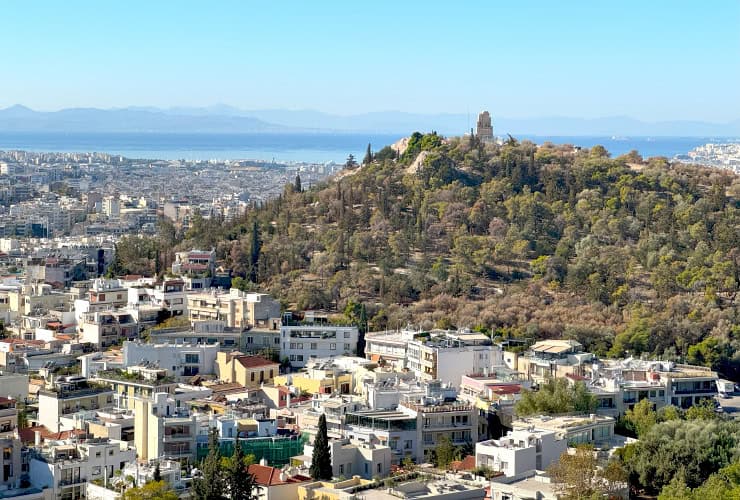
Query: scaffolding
{"x": 277, "y": 450}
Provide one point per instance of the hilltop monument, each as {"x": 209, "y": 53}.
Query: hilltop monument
{"x": 484, "y": 129}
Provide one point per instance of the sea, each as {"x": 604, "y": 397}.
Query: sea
{"x": 293, "y": 147}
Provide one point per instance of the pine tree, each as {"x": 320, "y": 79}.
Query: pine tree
{"x": 210, "y": 485}
{"x": 368, "y": 155}
{"x": 321, "y": 458}
{"x": 157, "y": 476}
{"x": 242, "y": 485}
{"x": 297, "y": 186}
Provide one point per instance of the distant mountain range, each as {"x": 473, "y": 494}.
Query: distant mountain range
{"x": 227, "y": 119}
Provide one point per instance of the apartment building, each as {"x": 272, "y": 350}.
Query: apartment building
{"x": 237, "y": 309}
{"x": 455, "y": 420}
{"x": 310, "y": 339}
{"x": 168, "y": 296}
{"x": 592, "y": 429}
{"x": 163, "y": 429}
{"x": 104, "y": 295}
{"x": 69, "y": 395}
{"x": 201, "y": 332}
{"x": 136, "y": 382}
{"x": 179, "y": 360}
{"x": 520, "y": 451}
{"x": 552, "y": 359}
{"x": 66, "y": 468}
{"x": 388, "y": 348}
{"x": 620, "y": 384}
{"x": 107, "y": 328}
{"x": 354, "y": 459}
{"x": 448, "y": 356}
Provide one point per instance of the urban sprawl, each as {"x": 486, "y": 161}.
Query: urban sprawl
{"x": 110, "y": 381}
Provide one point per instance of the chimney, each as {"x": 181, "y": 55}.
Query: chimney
{"x": 37, "y": 438}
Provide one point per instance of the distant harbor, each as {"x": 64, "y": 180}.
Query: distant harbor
{"x": 721, "y": 155}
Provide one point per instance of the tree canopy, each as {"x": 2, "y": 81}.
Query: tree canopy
{"x": 556, "y": 396}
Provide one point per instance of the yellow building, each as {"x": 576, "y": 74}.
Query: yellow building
{"x": 318, "y": 382}
{"x": 137, "y": 382}
{"x": 325, "y": 490}
{"x": 249, "y": 371}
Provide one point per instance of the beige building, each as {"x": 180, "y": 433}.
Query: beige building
{"x": 163, "y": 430}
{"x": 136, "y": 382}
{"x": 237, "y": 309}
{"x": 552, "y": 359}
{"x": 67, "y": 396}
{"x": 249, "y": 371}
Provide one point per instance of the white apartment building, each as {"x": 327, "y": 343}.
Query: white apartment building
{"x": 448, "y": 357}
{"x": 180, "y": 360}
{"x": 354, "y": 459}
{"x": 169, "y": 296}
{"x": 65, "y": 467}
{"x": 105, "y": 295}
{"x": 107, "y": 328}
{"x": 301, "y": 341}
{"x": 520, "y": 451}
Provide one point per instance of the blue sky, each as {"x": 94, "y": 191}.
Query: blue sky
{"x": 652, "y": 60}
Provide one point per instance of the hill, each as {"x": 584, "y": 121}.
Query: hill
{"x": 627, "y": 256}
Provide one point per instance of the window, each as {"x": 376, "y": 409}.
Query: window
{"x": 250, "y": 340}
{"x": 277, "y": 340}
{"x": 191, "y": 358}
{"x": 96, "y": 471}
{"x": 380, "y": 468}
{"x": 341, "y": 469}
{"x": 314, "y": 346}
{"x": 271, "y": 373}
{"x": 252, "y": 376}
{"x": 347, "y": 347}
{"x": 299, "y": 357}
{"x": 346, "y": 335}
{"x": 333, "y": 347}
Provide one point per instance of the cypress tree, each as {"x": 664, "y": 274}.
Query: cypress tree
{"x": 321, "y": 458}
{"x": 297, "y": 186}
{"x": 210, "y": 485}
{"x": 157, "y": 476}
{"x": 254, "y": 254}
{"x": 368, "y": 155}
{"x": 242, "y": 484}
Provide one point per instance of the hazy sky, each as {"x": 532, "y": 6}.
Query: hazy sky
{"x": 653, "y": 60}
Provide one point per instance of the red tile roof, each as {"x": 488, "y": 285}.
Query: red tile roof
{"x": 254, "y": 361}
{"x": 270, "y": 476}
{"x": 467, "y": 463}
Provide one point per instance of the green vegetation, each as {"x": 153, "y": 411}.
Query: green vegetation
{"x": 554, "y": 397}
{"x": 321, "y": 459}
{"x": 211, "y": 485}
{"x": 638, "y": 421}
{"x": 153, "y": 490}
{"x": 720, "y": 485}
{"x": 445, "y": 452}
{"x": 624, "y": 255}
{"x": 582, "y": 475}
{"x": 694, "y": 449}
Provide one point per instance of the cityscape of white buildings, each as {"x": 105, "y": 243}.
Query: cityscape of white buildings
{"x": 112, "y": 376}
{"x": 720, "y": 155}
